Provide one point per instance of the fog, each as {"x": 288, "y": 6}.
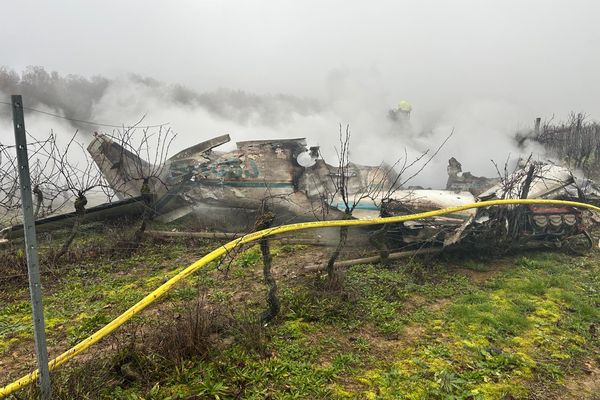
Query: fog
{"x": 281, "y": 69}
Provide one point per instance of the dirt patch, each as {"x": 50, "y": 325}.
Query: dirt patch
{"x": 413, "y": 302}
{"x": 477, "y": 277}
{"x": 383, "y": 347}
{"x": 26, "y": 363}
{"x": 438, "y": 305}
{"x": 411, "y": 334}
{"x": 417, "y": 301}
{"x": 294, "y": 264}
{"x": 585, "y": 386}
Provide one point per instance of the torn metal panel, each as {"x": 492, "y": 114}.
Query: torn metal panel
{"x": 581, "y": 189}
{"x": 465, "y": 181}
{"x": 508, "y": 223}
{"x": 547, "y": 180}
{"x": 200, "y": 148}
{"x": 410, "y": 201}
{"x": 175, "y": 214}
{"x": 432, "y": 229}
{"x": 244, "y": 177}
{"x": 457, "y": 234}
{"x": 103, "y": 212}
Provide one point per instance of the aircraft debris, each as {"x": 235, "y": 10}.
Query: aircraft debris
{"x": 225, "y": 190}
{"x": 465, "y": 181}
{"x": 519, "y": 224}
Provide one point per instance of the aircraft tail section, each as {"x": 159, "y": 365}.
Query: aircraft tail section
{"x": 123, "y": 169}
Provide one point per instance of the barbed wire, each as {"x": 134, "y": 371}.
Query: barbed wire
{"x": 92, "y": 123}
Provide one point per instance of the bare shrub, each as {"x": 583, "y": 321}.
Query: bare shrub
{"x": 13, "y": 265}
{"x": 190, "y": 334}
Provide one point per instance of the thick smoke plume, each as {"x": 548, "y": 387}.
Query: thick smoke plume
{"x": 76, "y": 97}
{"x": 483, "y": 130}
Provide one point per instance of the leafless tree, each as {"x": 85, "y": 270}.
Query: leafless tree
{"x": 142, "y": 158}
{"x": 64, "y": 175}
{"x": 265, "y": 221}
{"x": 9, "y": 182}
{"x": 77, "y": 176}
{"x": 575, "y": 141}
{"x": 44, "y": 172}
{"x": 41, "y": 171}
{"x": 379, "y": 186}
{"x": 350, "y": 197}
{"x": 340, "y": 187}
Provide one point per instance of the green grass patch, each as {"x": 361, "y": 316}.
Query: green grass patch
{"x": 524, "y": 325}
{"x": 411, "y": 330}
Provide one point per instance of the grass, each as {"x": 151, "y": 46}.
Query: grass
{"x": 527, "y": 324}
{"x": 471, "y": 328}
{"x": 89, "y": 294}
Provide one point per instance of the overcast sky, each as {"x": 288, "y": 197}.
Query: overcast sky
{"x": 543, "y": 55}
{"x": 482, "y": 68}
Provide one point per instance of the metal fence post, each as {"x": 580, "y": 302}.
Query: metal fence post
{"x": 33, "y": 266}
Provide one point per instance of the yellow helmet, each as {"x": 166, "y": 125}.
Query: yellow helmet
{"x": 404, "y": 106}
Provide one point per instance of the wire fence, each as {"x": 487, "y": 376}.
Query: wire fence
{"x": 91, "y": 123}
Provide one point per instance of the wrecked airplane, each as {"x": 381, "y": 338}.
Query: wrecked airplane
{"x": 225, "y": 190}
{"x": 559, "y": 226}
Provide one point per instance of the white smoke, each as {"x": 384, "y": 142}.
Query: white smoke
{"x": 483, "y": 128}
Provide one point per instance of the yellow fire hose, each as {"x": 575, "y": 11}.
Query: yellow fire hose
{"x": 164, "y": 288}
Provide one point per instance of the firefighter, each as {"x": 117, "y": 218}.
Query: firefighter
{"x": 404, "y": 108}
{"x": 402, "y": 112}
